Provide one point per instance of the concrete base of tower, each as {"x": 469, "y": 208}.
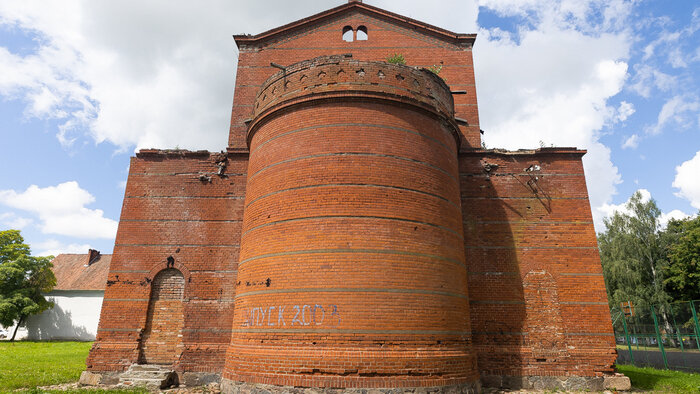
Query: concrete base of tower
{"x": 565, "y": 383}
{"x": 231, "y": 387}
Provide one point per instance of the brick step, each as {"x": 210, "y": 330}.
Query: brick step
{"x": 148, "y": 367}
{"x": 150, "y": 376}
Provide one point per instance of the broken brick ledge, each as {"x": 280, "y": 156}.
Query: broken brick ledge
{"x": 181, "y": 153}
{"x": 523, "y": 152}
{"x": 184, "y": 153}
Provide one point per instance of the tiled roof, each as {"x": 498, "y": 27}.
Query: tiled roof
{"x": 73, "y": 273}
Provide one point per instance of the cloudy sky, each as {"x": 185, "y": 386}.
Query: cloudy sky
{"x": 84, "y": 83}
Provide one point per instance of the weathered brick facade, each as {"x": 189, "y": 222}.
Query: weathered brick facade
{"x": 354, "y": 233}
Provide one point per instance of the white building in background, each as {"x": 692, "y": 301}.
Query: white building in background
{"x": 78, "y": 294}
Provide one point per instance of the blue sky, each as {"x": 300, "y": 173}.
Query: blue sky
{"x": 83, "y": 84}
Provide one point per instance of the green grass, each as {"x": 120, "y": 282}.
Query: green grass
{"x": 664, "y": 381}
{"x": 82, "y": 391}
{"x": 25, "y": 365}
{"x": 31, "y": 364}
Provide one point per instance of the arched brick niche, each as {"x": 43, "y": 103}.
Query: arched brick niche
{"x": 544, "y": 325}
{"x": 161, "y": 342}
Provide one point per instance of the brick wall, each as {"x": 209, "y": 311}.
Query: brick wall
{"x": 537, "y": 297}
{"x": 178, "y": 212}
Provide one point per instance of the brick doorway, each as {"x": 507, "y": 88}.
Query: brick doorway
{"x": 162, "y": 338}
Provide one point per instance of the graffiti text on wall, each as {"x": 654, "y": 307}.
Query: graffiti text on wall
{"x": 294, "y": 315}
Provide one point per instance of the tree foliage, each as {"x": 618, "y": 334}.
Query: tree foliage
{"x": 23, "y": 279}
{"x": 647, "y": 264}
{"x": 683, "y": 273}
{"x": 633, "y": 253}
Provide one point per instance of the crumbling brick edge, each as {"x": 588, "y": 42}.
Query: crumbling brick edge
{"x": 231, "y": 387}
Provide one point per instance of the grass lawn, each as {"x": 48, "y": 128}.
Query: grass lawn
{"x": 26, "y": 365}
{"x": 659, "y": 380}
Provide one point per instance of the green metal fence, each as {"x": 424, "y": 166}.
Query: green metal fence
{"x": 663, "y": 336}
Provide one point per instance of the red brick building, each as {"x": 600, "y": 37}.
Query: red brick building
{"x": 354, "y": 234}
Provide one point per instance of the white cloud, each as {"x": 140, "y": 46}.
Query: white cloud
{"x": 687, "y": 181}
{"x": 632, "y": 142}
{"x": 461, "y": 17}
{"x": 675, "y": 111}
{"x": 10, "y": 220}
{"x": 664, "y": 39}
{"x": 584, "y": 15}
{"x": 624, "y": 111}
{"x": 52, "y": 247}
{"x": 61, "y": 210}
{"x": 676, "y": 214}
{"x": 145, "y": 74}
{"x": 608, "y": 210}
{"x": 646, "y": 78}
{"x": 559, "y": 90}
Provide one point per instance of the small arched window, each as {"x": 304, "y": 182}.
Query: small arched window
{"x": 348, "y": 34}
{"x": 362, "y": 33}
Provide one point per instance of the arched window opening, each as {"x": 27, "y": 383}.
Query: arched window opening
{"x": 348, "y": 34}
{"x": 362, "y": 34}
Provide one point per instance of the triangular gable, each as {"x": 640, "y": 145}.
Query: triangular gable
{"x": 278, "y": 33}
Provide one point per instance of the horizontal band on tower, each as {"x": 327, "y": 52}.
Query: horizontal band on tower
{"x": 354, "y": 217}
{"x": 349, "y": 331}
{"x": 435, "y": 140}
{"x": 352, "y": 185}
{"x": 351, "y": 290}
{"x": 369, "y": 251}
{"x": 352, "y": 154}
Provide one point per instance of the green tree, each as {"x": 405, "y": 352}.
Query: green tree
{"x": 23, "y": 279}
{"x": 633, "y": 254}
{"x": 683, "y": 273}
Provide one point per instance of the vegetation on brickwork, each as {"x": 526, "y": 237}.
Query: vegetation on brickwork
{"x": 435, "y": 69}
{"x": 23, "y": 279}
{"x": 30, "y": 364}
{"x": 646, "y": 264}
{"x": 663, "y": 381}
{"x": 396, "y": 58}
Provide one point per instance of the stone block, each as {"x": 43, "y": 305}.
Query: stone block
{"x": 88, "y": 378}
{"x": 617, "y": 382}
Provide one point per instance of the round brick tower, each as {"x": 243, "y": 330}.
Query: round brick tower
{"x": 352, "y": 270}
